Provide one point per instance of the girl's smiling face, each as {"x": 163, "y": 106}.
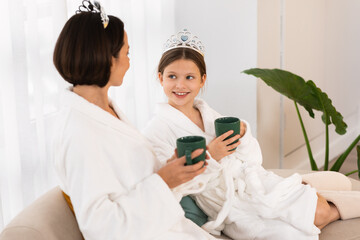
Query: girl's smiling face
{"x": 181, "y": 81}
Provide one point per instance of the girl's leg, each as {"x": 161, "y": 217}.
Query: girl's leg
{"x": 326, "y": 212}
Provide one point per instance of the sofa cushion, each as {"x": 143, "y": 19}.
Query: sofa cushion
{"x": 50, "y": 218}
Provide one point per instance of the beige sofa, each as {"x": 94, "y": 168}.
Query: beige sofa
{"x": 49, "y": 218}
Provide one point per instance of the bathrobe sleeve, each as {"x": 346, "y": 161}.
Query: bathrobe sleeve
{"x": 104, "y": 208}
{"x": 162, "y": 138}
{"x": 249, "y": 150}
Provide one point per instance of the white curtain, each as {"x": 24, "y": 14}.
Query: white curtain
{"x": 30, "y": 85}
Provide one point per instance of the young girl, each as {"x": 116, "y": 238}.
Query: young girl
{"x": 238, "y": 195}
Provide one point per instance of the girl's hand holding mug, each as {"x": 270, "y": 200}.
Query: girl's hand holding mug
{"x": 219, "y": 147}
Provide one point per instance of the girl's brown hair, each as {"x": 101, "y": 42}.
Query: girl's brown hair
{"x": 182, "y": 53}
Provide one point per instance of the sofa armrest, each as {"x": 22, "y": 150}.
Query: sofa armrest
{"x": 48, "y": 218}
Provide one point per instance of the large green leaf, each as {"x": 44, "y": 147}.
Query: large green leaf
{"x": 307, "y": 94}
{"x": 336, "y": 117}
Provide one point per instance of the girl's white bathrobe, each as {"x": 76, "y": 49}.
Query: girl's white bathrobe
{"x": 240, "y": 197}
{"x": 107, "y": 168}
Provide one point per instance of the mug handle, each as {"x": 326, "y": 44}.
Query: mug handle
{"x": 188, "y": 157}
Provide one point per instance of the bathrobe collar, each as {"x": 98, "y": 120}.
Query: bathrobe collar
{"x": 170, "y": 113}
{"x": 123, "y": 125}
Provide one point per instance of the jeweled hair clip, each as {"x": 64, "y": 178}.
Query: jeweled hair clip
{"x": 95, "y": 7}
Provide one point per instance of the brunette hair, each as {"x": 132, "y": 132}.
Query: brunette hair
{"x": 182, "y": 53}
{"x": 84, "y": 50}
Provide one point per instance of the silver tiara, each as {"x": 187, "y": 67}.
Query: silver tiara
{"x": 184, "y": 39}
{"x": 95, "y": 7}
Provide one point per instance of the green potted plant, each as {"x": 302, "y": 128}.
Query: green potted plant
{"x": 308, "y": 95}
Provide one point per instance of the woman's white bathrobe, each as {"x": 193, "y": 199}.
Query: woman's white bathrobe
{"x": 240, "y": 197}
{"x": 107, "y": 168}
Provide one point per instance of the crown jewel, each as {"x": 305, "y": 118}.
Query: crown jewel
{"x": 184, "y": 39}
{"x": 95, "y": 7}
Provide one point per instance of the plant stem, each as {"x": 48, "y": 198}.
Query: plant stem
{"x": 327, "y": 122}
{"x": 337, "y": 165}
{"x": 358, "y": 159}
{"x": 326, "y": 164}
{"x": 312, "y": 161}
{"x": 352, "y": 172}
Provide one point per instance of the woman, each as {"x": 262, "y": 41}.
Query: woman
{"x": 106, "y": 167}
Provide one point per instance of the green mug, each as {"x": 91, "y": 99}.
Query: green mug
{"x": 225, "y": 124}
{"x": 186, "y": 145}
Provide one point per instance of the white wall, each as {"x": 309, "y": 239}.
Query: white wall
{"x": 228, "y": 30}
{"x": 320, "y": 42}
